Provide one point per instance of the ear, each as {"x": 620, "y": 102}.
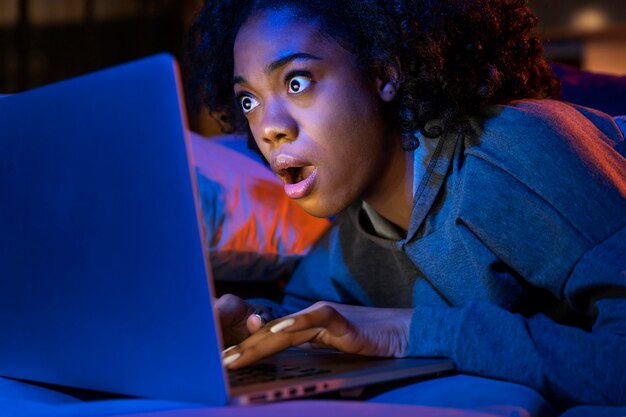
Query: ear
{"x": 388, "y": 81}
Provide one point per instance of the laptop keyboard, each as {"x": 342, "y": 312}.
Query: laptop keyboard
{"x": 269, "y": 372}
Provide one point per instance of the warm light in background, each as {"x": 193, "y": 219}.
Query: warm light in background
{"x": 51, "y": 12}
{"x": 589, "y": 19}
{"x": 9, "y": 12}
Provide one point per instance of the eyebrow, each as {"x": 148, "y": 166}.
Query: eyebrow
{"x": 279, "y": 63}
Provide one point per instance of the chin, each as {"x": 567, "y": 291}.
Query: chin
{"x": 316, "y": 208}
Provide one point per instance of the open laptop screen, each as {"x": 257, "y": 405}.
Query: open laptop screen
{"x": 99, "y": 222}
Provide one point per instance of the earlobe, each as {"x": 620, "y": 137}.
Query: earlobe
{"x": 389, "y": 82}
{"x": 388, "y": 92}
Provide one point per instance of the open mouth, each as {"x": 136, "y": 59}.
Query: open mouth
{"x": 299, "y": 177}
{"x": 294, "y": 175}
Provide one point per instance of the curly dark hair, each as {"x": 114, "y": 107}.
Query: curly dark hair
{"x": 456, "y": 56}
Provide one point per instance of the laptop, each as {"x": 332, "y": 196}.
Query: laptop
{"x": 105, "y": 282}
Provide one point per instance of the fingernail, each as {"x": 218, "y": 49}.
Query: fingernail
{"x": 230, "y": 359}
{"x": 228, "y": 350}
{"x": 261, "y": 319}
{"x": 279, "y": 327}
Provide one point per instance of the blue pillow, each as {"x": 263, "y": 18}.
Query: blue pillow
{"x": 604, "y": 92}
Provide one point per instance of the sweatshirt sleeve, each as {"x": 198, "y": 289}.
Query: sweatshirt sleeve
{"x": 567, "y": 364}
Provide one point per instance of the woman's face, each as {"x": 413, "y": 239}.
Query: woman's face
{"x": 314, "y": 117}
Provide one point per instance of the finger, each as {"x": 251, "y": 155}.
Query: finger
{"x": 229, "y": 351}
{"x": 230, "y": 355}
{"x": 334, "y": 330}
{"x": 265, "y": 343}
{"x": 289, "y": 332}
{"x": 325, "y": 317}
{"x": 232, "y": 310}
{"x": 233, "y": 353}
{"x": 255, "y": 323}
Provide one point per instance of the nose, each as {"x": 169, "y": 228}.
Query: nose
{"x": 278, "y": 124}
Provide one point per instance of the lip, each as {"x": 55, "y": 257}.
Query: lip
{"x": 281, "y": 163}
{"x": 302, "y": 188}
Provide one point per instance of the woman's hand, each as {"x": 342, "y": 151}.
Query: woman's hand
{"x": 239, "y": 319}
{"x": 351, "y": 329}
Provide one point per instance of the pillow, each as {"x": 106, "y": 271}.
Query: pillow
{"x": 620, "y": 121}
{"x": 604, "y": 92}
{"x": 253, "y": 230}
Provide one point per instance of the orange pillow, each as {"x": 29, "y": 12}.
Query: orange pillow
{"x": 253, "y": 230}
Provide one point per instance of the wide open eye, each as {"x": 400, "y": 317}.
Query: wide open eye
{"x": 248, "y": 103}
{"x": 298, "y": 84}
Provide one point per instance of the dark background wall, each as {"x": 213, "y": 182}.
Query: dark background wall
{"x": 564, "y": 14}
{"x": 43, "y": 41}
{"x": 46, "y": 40}
{"x": 589, "y": 34}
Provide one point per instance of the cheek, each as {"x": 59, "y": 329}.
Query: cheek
{"x": 355, "y": 121}
{"x": 356, "y": 107}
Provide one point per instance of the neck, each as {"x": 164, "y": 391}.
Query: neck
{"x": 392, "y": 197}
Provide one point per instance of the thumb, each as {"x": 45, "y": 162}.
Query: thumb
{"x": 232, "y": 310}
{"x": 254, "y": 323}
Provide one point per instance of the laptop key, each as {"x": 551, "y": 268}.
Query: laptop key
{"x": 267, "y": 372}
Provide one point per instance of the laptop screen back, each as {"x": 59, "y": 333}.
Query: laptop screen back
{"x": 103, "y": 277}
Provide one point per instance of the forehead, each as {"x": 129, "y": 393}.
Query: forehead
{"x": 270, "y": 35}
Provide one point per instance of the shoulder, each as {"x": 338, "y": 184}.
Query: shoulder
{"x": 525, "y": 127}
{"x": 541, "y": 184}
{"x": 560, "y": 157}
{"x": 535, "y": 140}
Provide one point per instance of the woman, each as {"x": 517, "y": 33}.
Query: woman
{"x": 477, "y": 218}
